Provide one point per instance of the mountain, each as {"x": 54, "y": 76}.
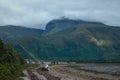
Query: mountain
{"x": 10, "y": 63}
{"x": 63, "y": 23}
{"x": 11, "y": 32}
{"x": 82, "y": 41}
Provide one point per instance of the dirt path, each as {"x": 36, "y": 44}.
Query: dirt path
{"x": 32, "y": 75}
{"x": 48, "y": 75}
{"x": 38, "y": 74}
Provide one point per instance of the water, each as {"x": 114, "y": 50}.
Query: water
{"x": 112, "y": 68}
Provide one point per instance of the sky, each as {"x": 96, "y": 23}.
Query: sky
{"x": 37, "y": 13}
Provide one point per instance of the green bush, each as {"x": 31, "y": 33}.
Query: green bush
{"x": 10, "y": 63}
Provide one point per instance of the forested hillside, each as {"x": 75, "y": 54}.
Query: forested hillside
{"x": 10, "y": 63}
{"x": 84, "y": 42}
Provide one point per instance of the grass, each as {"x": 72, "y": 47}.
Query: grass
{"x": 31, "y": 65}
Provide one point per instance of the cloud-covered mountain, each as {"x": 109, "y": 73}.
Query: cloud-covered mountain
{"x": 86, "y": 41}
{"x": 63, "y": 23}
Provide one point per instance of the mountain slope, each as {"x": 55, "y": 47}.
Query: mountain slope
{"x": 60, "y": 24}
{"x": 83, "y": 42}
{"x": 10, "y": 32}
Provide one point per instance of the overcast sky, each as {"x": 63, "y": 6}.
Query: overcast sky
{"x": 36, "y": 13}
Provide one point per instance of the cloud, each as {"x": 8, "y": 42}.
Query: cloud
{"x": 36, "y": 13}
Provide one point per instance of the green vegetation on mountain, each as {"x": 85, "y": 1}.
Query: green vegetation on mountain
{"x": 9, "y": 33}
{"x": 10, "y": 63}
{"x": 60, "y": 24}
{"x": 83, "y": 42}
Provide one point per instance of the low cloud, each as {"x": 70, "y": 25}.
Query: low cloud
{"x": 36, "y": 13}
